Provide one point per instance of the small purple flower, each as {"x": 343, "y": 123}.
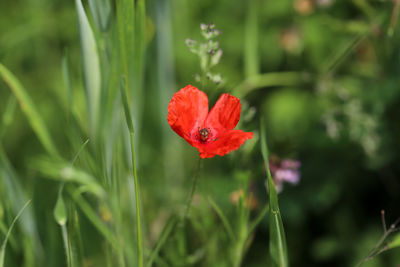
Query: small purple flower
{"x": 285, "y": 170}
{"x": 290, "y": 176}
{"x": 290, "y": 164}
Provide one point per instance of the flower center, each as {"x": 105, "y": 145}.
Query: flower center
{"x": 204, "y": 133}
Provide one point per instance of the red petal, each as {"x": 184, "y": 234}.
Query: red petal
{"x": 187, "y": 111}
{"x": 225, "y": 114}
{"x": 225, "y": 143}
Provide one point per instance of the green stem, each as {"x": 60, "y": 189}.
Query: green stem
{"x": 181, "y": 240}
{"x": 270, "y": 79}
{"x": 129, "y": 123}
{"x": 138, "y": 222}
{"x": 194, "y": 185}
{"x": 66, "y": 245}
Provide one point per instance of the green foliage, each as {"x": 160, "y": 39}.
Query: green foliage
{"x": 90, "y": 67}
{"x": 322, "y": 75}
{"x": 4, "y": 244}
{"x": 277, "y": 240}
{"x": 29, "y": 108}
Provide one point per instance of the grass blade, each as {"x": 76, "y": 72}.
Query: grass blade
{"x": 90, "y": 66}
{"x": 277, "y": 241}
{"x": 67, "y": 81}
{"x": 257, "y": 220}
{"x": 29, "y": 109}
{"x": 93, "y": 217}
{"x": 8, "y": 115}
{"x": 395, "y": 242}
{"x": 170, "y": 225}
{"x": 74, "y": 237}
{"x": 251, "y": 57}
{"x": 140, "y": 41}
{"x": 129, "y": 123}
{"x": 3, "y": 246}
{"x": 14, "y": 193}
{"x": 223, "y": 218}
{"x": 63, "y": 171}
{"x": 270, "y": 79}
{"x": 101, "y": 11}
{"x": 125, "y": 17}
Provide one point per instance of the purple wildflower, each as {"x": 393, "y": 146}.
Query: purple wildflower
{"x": 285, "y": 170}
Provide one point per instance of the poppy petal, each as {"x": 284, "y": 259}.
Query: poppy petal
{"x": 187, "y": 111}
{"x": 225, "y": 114}
{"x": 225, "y": 143}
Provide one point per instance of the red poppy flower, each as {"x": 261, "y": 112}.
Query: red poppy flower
{"x": 212, "y": 133}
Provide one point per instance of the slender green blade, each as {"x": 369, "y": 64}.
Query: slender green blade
{"x": 29, "y": 109}
{"x": 90, "y": 66}
{"x": 75, "y": 246}
{"x": 251, "y": 57}
{"x": 67, "y": 81}
{"x": 101, "y": 11}
{"x": 223, "y": 218}
{"x": 270, "y": 79}
{"x": 93, "y": 217}
{"x": 140, "y": 42}
{"x": 3, "y": 246}
{"x": 125, "y": 17}
{"x": 127, "y": 110}
{"x": 395, "y": 242}
{"x": 63, "y": 171}
{"x": 8, "y": 115}
{"x": 14, "y": 193}
{"x": 169, "y": 226}
{"x": 258, "y": 220}
{"x": 277, "y": 241}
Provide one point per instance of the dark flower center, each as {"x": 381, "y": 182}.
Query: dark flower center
{"x": 204, "y": 133}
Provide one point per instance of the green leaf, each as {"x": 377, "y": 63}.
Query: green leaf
{"x": 64, "y": 171}
{"x": 75, "y": 246}
{"x": 277, "y": 241}
{"x": 101, "y": 11}
{"x": 169, "y": 226}
{"x": 90, "y": 66}
{"x": 29, "y": 109}
{"x": 127, "y": 109}
{"x": 15, "y": 195}
{"x": 251, "y": 56}
{"x": 271, "y": 79}
{"x": 140, "y": 43}
{"x": 3, "y": 246}
{"x": 395, "y": 242}
{"x": 223, "y": 218}
{"x": 126, "y": 17}
{"x": 67, "y": 81}
{"x": 257, "y": 220}
{"x": 93, "y": 217}
{"x": 8, "y": 115}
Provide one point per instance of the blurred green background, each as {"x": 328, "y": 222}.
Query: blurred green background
{"x": 323, "y": 74}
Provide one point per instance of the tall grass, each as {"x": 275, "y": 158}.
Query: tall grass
{"x": 110, "y": 187}
{"x": 96, "y": 183}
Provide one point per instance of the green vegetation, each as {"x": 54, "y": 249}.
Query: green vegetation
{"x": 91, "y": 174}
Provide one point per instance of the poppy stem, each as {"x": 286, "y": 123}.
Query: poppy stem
{"x": 194, "y": 185}
{"x": 182, "y": 241}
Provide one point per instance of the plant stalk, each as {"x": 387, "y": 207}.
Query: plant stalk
{"x": 137, "y": 196}
{"x": 194, "y": 185}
